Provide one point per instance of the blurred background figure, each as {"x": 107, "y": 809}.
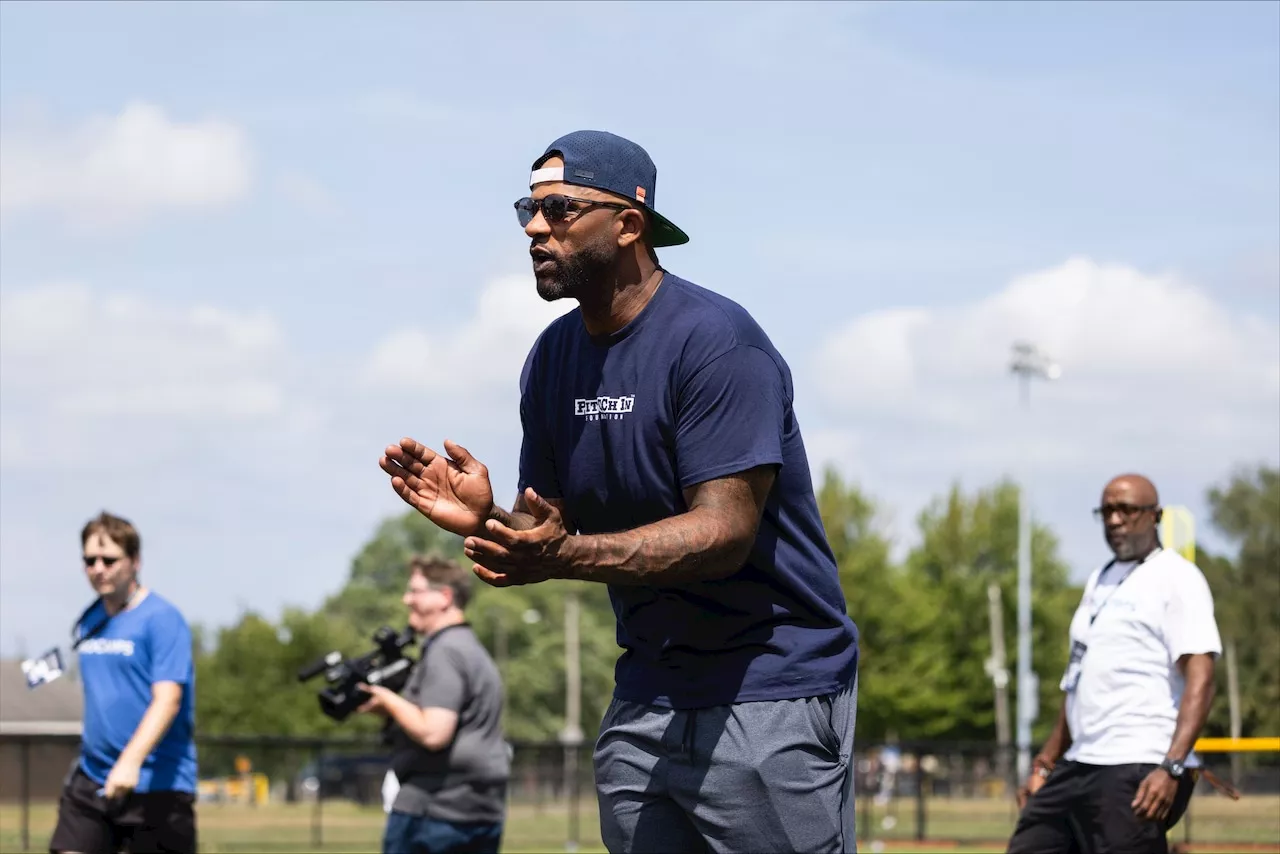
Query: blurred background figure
{"x": 1118, "y": 768}
{"x": 449, "y": 759}
{"x": 134, "y": 784}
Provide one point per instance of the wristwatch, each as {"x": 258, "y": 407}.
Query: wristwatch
{"x": 1173, "y": 767}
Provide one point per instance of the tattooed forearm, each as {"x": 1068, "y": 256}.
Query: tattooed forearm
{"x": 712, "y": 540}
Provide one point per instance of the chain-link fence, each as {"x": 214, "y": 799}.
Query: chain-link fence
{"x": 297, "y": 794}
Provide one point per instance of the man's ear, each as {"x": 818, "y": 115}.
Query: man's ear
{"x": 633, "y": 226}
{"x": 1159, "y": 514}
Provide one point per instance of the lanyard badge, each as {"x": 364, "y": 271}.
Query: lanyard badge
{"x": 48, "y": 667}
{"x": 1071, "y": 676}
{"x": 43, "y": 669}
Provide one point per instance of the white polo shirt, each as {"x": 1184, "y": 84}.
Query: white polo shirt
{"x": 1124, "y": 706}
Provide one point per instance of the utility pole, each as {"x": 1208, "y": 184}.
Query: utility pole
{"x": 571, "y": 735}
{"x": 572, "y": 669}
{"x": 1028, "y": 363}
{"x": 999, "y": 674}
{"x": 500, "y": 651}
{"x": 1233, "y": 706}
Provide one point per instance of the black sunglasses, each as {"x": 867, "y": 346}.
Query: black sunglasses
{"x": 108, "y": 562}
{"x": 1126, "y": 511}
{"x": 556, "y": 207}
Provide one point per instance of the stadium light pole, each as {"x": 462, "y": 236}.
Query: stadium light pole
{"x": 1028, "y": 364}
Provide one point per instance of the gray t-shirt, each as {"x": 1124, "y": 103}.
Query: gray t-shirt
{"x": 465, "y": 781}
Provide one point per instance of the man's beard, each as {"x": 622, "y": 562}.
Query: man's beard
{"x": 577, "y": 275}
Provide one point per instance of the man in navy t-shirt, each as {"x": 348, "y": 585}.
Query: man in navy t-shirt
{"x": 662, "y": 456}
{"x": 134, "y": 784}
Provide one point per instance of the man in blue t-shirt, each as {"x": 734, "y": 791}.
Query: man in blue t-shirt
{"x": 133, "y": 787}
{"x": 662, "y": 457}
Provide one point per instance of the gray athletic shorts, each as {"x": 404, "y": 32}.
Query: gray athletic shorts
{"x": 771, "y": 776}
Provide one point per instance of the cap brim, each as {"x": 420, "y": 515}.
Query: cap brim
{"x": 663, "y": 232}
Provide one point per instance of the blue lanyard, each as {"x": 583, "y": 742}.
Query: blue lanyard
{"x": 1110, "y": 564}
{"x": 78, "y": 636}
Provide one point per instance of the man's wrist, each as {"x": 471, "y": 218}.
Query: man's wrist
{"x": 569, "y": 558}
{"x": 126, "y": 759}
{"x": 1046, "y": 758}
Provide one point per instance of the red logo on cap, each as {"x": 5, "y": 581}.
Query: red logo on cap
{"x": 639, "y": 194}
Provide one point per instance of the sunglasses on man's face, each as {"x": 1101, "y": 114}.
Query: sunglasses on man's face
{"x": 108, "y": 562}
{"x": 557, "y": 208}
{"x": 1126, "y": 511}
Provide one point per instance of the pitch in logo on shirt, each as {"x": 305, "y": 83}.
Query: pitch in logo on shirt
{"x": 604, "y": 407}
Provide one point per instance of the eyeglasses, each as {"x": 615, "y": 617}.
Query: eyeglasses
{"x": 557, "y": 208}
{"x": 108, "y": 562}
{"x": 1126, "y": 511}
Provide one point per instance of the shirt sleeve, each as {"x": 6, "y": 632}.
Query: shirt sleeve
{"x": 537, "y": 457}
{"x": 443, "y": 684}
{"x": 170, "y": 641}
{"x": 1190, "y": 626}
{"x": 730, "y": 416}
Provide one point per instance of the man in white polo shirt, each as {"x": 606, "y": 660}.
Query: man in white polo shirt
{"x": 1118, "y": 770}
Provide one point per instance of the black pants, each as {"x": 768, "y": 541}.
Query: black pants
{"x": 1085, "y": 809}
{"x": 142, "y": 823}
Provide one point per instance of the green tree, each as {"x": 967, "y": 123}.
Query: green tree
{"x": 967, "y": 543}
{"x": 522, "y": 627}
{"x": 248, "y": 686}
{"x": 1247, "y": 596}
{"x": 873, "y": 589}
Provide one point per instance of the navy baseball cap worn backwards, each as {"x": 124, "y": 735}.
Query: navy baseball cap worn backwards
{"x": 605, "y": 161}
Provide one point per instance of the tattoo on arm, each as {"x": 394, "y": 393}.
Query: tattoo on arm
{"x": 709, "y": 541}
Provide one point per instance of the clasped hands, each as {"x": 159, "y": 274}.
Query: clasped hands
{"x": 505, "y": 557}
{"x": 454, "y": 492}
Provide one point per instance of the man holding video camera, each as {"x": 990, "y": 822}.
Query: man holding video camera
{"x": 449, "y": 755}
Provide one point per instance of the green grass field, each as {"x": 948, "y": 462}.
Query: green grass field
{"x": 1252, "y": 824}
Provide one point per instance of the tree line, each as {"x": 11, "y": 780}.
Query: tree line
{"x": 926, "y": 634}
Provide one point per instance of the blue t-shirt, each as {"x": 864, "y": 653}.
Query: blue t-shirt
{"x": 617, "y": 426}
{"x": 145, "y": 644}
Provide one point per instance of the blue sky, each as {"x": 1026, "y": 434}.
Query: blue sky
{"x": 245, "y": 245}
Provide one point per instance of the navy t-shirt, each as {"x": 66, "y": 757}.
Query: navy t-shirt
{"x": 617, "y": 426}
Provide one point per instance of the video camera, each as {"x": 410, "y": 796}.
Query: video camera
{"x": 387, "y": 665}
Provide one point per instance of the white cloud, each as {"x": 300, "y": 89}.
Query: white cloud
{"x": 1157, "y": 377}
{"x": 117, "y": 170}
{"x": 481, "y": 356}
{"x": 73, "y": 355}
{"x": 1155, "y": 373}
{"x": 1124, "y": 338}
